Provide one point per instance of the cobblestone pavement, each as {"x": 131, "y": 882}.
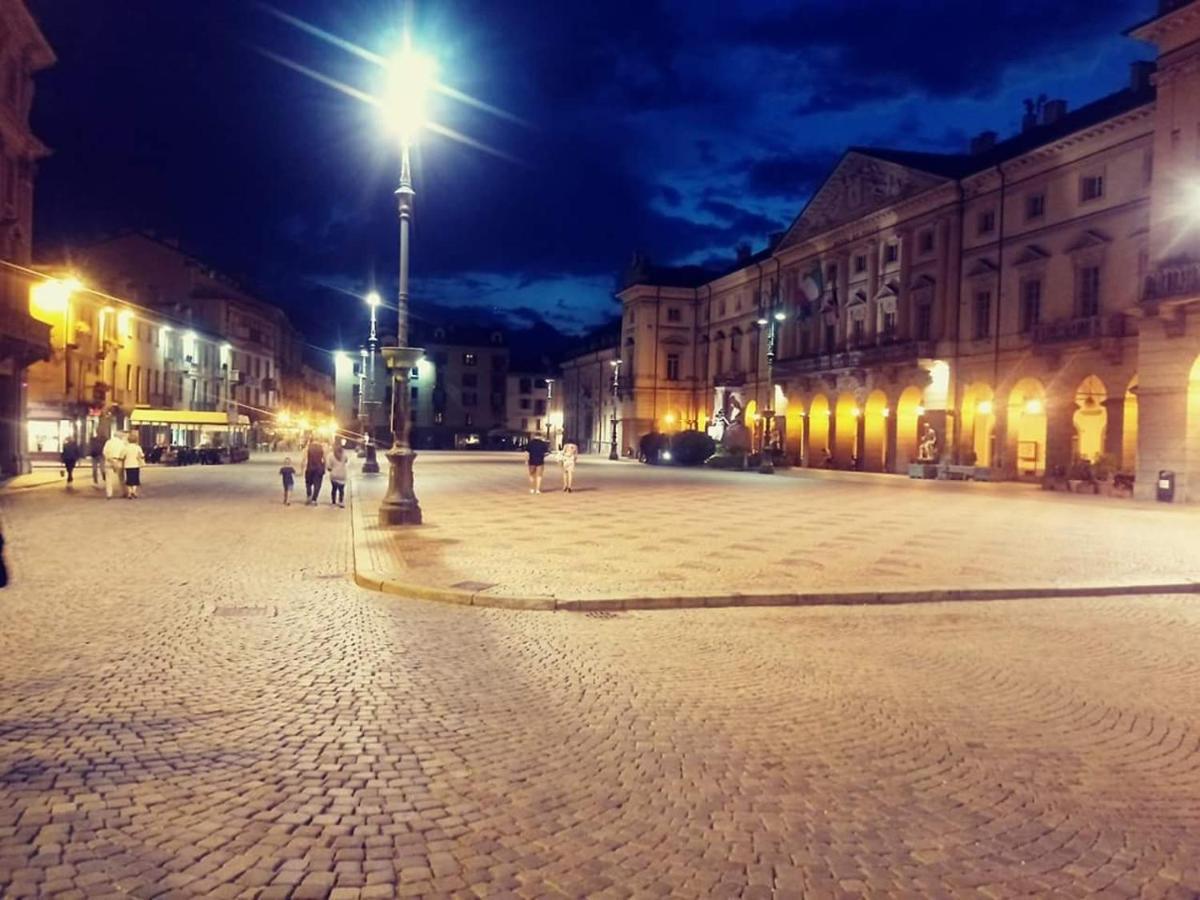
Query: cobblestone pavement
{"x": 196, "y": 702}
{"x": 631, "y": 530}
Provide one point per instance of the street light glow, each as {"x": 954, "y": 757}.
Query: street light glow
{"x": 780, "y": 316}
{"x": 1034, "y": 407}
{"x": 373, "y": 299}
{"x": 984, "y": 408}
{"x": 410, "y": 76}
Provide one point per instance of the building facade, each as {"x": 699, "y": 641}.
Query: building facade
{"x": 590, "y": 381}
{"x": 1031, "y": 304}
{"x": 23, "y": 339}
{"x": 155, "y": 274}
{"x": 459, "y": 392}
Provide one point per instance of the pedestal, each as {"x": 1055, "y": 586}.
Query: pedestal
{"x": 400, "y": 505}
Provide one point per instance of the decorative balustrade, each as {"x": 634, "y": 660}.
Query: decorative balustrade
{"x": 1172, "y": 281}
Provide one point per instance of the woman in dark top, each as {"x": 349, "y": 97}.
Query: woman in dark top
{"x": 537, "y": 463}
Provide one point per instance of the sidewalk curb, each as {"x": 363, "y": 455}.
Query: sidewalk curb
{"x": 379, "y": 582}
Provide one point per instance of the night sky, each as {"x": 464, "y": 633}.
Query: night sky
{"x": 676, "y": 127}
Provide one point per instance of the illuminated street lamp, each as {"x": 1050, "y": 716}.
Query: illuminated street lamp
{"x": 549, "y": 400}
{"x": 766, "y": 464}
{"x": 616, "y": 387}
{"x": 410, "y": 76}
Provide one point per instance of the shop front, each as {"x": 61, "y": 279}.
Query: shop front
{"x": 176, "y": 434}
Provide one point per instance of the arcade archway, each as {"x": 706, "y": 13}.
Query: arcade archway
{"x": 1090, "y": 419}
{"x": 875, "y": 415}
{"x": 979, "y": 423}
{"x": 818, "y": 430}
{"x": 908, "y": 420}
{"x": 1027, "y": 426}
{"x": 846, "y": 416}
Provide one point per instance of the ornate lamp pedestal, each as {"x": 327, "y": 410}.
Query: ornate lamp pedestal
{"x": 766, "y": 461}
{"x": 400, "y": 506}
{"x": 370, "y": 465}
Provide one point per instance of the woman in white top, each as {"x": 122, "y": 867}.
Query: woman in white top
{"x": 133, "y": 457}
{"x": 335, "y": 465}
{"x": 570, "y": 451}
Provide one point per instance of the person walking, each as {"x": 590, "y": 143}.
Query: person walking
{"x": 70, "y": 456}
{"x": 289, "y": 480}
{"x": 569, "y": 454}
{"x": 114, "y": 465}
{"x": 133, "y": 461}
{"x": 537, "y": 451}
{"x": 96, "y": 452}
{"x": 314, "y": 471}
{"x": 336, "y": 464}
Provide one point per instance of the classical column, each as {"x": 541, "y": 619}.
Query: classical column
{"x": 890, "y": 442}
{"x": 1114, "y": 430}
{"x": 805, "y": 449}
{"x": 1060, "y": 433}
{"x": 860, "y": 440}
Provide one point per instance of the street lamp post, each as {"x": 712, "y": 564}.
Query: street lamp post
{"x": 549, "y": 402}
{"x": 766, "y": 464}
{"x": 370, "y": 463}
{"x": 616, "y": 386}
{"x": 400, "y": 506}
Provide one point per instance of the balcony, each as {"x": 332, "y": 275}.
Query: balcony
{"x": 1089, "y": 329}
{"x": 1177, "y": 281}
{"x": 888, "y": 352}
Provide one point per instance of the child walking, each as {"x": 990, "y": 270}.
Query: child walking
{"x": 289, "y": 480}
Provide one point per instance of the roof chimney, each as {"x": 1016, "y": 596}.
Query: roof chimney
{"x": 1140, "y": 73}
{"x": 983, "y": 142}
{"x": 1053, "y": 111}
{"x": 743, "y": 252}
{"x": 1033, "y": 113}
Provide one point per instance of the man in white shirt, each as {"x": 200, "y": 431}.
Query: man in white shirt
{"x": 114, "y": 457}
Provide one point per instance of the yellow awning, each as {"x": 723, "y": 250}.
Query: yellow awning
{"x": 183, "y": 417}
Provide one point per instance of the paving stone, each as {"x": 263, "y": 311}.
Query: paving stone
{"x": 356, "y": 744}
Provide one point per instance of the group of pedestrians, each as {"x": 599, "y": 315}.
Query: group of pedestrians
{"x": 117, "y": 462}
{"x": 318, "y": 461}
{"x": 538, "y": 450}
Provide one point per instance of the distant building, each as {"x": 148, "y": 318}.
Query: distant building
{"x": 264, "y": 349}
{"x": 459, "y": 392}
{"x": 589, "y": 391}
{"x": 23, "y": 339}
{"x": 527, "y": 402}
{"x": 1034, "y": 303}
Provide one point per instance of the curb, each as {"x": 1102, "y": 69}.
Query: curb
{"x": 376, "y": 581}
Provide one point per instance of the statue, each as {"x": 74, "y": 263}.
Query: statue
{"x": 927, "y": 446}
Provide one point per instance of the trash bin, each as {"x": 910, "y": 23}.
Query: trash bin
{"x": 1166, "y": 486}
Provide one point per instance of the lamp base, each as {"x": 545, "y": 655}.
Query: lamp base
{"x": 400, "y": 505}
{"x": 370, "y": 465}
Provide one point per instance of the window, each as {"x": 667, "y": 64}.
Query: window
{"x": 925, "y": 241}
{"x": 526, "y": 385}
{"x": 539, "y": 407}
{"x": 889, "y": 324}
{"x": 830, "y": 337}
{"x": 674, "y": 314}
{"x": 526, "y": 403}
{"x": 986, "y": 223}
{"x": 983, "y": 314}
{"x": 1087, "y": 280}
{"x": 831, "y": 273}
{"x": 860, "y": 263}
{"x": 470, "y": 398}
{"x": 469, "y": 359}
{"x": 470, "y": 379}
{"x": 891, "y": 252}
{"x": 415, "y": 373}
{"x": 924, "y": 322}
{"x": 672, "y": 367}
{"x": 414, "y": 393}
{"x": 1091, "y": 187}
{"x": 128, "y": 376}
{"x": 1031, "y": 304}
{"x": 524, "y": 424}
{"x": 858, "y": 332}
{"x": 1035, "y": 206}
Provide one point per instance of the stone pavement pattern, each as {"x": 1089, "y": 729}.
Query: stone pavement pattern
{"x": 219, "y": 712}
{"x": 631, "y": 530}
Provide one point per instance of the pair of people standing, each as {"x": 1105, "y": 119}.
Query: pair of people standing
{"x": 123, "y": 461}
{"x": 537, "y": 451}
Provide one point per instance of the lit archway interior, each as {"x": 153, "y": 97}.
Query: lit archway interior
{"x": 1192, "y": 440}
{"x": 908, "y": 415}
{"x": 1090, "y": 418}
{"x": 875, "y": 432}
{"x": 979, "y": 422}
{"x": 793, "y": 428}
{"x": 818, "y": 430}
{"x": 1027, "y": 421}
{"x": 1129, "y": 431}
{"x": 846, "y": 434}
